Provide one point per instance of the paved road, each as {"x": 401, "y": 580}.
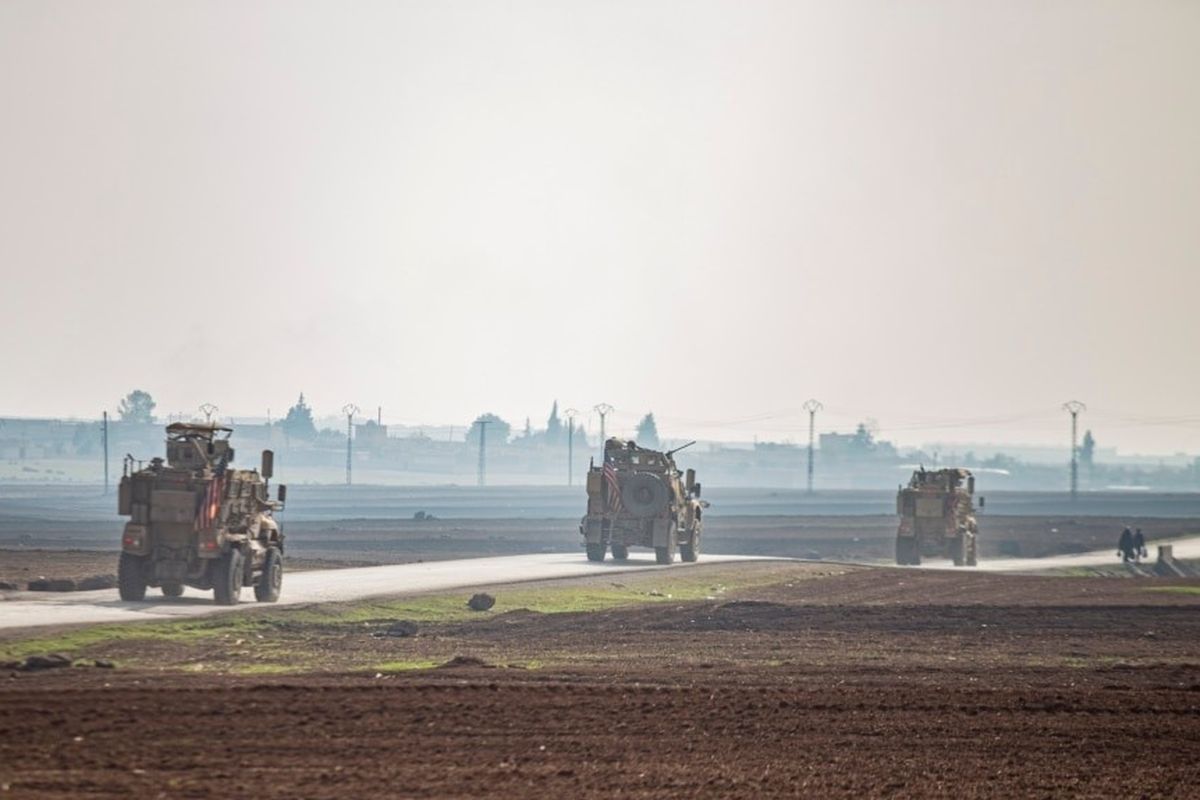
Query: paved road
{"x": 1184, "y": 548}
{"x": 325, "y": 586}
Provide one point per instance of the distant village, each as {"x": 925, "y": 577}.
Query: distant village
{"x": 316, "y": 450}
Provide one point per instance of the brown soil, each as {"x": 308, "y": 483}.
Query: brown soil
{"x": 824, "y": 682}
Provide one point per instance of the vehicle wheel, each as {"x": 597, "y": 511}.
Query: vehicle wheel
{"x": 903, "y": 551}
{"x": 131, "y": 577}
{"x": 973, "y": 553}
{"x": 172, "y": 589}
{"x": 595, "y": 552}
{"x": 271, "y": 580}
{"x": 227, "y": 578}
{"x": 620, "y": 552}
{"x": 664, "y": 555}
{"x": 691, "y": 551}
{"x": 958, "y": 550}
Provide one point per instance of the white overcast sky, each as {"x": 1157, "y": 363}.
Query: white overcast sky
{"x": 953, "y": 214}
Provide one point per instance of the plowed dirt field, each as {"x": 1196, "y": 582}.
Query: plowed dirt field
{"x": 810, "y": 682}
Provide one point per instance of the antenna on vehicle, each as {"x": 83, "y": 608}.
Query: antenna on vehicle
{"x": 681, "y": 447}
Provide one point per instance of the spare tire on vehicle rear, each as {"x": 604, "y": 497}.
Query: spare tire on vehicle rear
{"x": 644, "y": 494}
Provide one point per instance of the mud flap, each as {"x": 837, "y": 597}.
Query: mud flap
{"x": 663, "y": 528}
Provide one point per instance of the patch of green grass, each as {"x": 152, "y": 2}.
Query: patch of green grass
{"x": 182, "y": 631}
{"x": 405, "y": 666}
{"x": 271, "y": 629}
{"x": 1175, "y": 589}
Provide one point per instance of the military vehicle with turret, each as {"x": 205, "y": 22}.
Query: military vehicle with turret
{"x": 195, "y": 521}
{"x": 638, "y": 497}
{"x": 937, "y": 517}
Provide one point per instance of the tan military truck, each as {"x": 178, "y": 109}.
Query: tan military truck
{"x": 638, "y": 497}
{"x": 194, "y": 521}
{"x": 937, "y": 517}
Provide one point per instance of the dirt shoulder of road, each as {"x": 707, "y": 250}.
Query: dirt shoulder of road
{"x": 747, "y": 680}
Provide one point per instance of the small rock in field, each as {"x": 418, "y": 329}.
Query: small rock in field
{"x": 401, "y": 629}
{"x": 5, "y": 586}
{"x": 464, "y": 661}
{"x": 481, "y": 601}
{"x": 37, "y": 663}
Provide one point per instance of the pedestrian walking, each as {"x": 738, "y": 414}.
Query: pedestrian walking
{"x": 1139, "y": 545}
{"x": 1125, "y": 545}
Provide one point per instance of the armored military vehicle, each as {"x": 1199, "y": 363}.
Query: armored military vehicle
{"x": 937, "y": 517}
{"x": 194, "y": 521}
{"x": 639, "y": 497}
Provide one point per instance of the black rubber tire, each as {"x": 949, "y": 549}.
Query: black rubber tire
{"x": 908, "y": 552}
{"x": 172, "y": 590}
{"x": 644, "y": 494}
{"x": 271, "y": 581}
{"x": 228, "y": 578}
{"x": 595, "y": 552}
{"x": 973, "y": 553}
{"x": 131, "y": 577}
{"x": 691, "y": 551}
{"x": 664, "y": 555}
{"x": 958, "y": 550}
{"x": 620, "y": 552}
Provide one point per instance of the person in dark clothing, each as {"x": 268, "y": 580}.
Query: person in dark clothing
{"x": 1125, "y": 545}
{"x": 1139, "y": 545}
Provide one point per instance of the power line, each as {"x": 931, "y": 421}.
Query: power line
{"x": 483, "y": 423}
{"x": 570, "y": 414}
{"x": 812, "y": 407}
{"x": 1073, "y": 407}
{"x": 603, "y": 409}
{"x": 349, "y": 410}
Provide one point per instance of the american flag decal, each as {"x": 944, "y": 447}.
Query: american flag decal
{"x": 613, "y": 487}
{"x": 210, "y": 506}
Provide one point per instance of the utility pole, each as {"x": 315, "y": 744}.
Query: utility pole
{"x": 1073, "y": 407}
{"x": 104, "y": 438}
{"x": 208, "y": 409}
{"x": 483, "y": 423}
{"x": 812, "y": 407}
{"x": 603, "y": 409}
{"x": 349, "y": 410}
{"x": 570, "y": 415}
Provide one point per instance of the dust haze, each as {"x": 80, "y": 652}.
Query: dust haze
{"x": 709, "y": 210}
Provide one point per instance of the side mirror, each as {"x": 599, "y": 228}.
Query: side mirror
{"x": 971, "y": 485}
{"x": 691, "y": 478}
{"x": 268, "y": 464}
{"x": 281, "y": 493}
{"x": 982, "y": 503}
{"x": 695, "y": 490}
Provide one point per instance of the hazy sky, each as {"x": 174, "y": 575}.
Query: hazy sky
{"x": 927, "y": 213}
